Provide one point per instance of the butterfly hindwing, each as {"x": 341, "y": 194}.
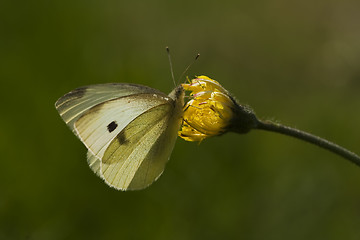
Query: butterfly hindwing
{"x": 137, "y": 156}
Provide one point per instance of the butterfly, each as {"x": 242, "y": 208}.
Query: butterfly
{"x": 129, "y": 130}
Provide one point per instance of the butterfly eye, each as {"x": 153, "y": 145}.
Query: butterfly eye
{"x": 178, "y": 91}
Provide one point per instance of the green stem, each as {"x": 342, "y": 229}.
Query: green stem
{"x": 323, "y": 143}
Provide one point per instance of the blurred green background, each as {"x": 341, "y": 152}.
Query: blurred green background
{"x": 293, "y": 61}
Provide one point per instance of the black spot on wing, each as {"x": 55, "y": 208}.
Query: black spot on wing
{"x": 112, "y": 126}
{"x": 121, "y": 138}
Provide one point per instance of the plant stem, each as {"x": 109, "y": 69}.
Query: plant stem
{"x": 323, "y": 143}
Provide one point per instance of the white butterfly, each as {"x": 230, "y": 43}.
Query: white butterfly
{"x": 128, "y": 129}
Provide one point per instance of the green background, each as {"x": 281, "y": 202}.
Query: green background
{"x": 293, "y": 61}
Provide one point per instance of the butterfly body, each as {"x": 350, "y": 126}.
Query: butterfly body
{"x": 128, "y": 129}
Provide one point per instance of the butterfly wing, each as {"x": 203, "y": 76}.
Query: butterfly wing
{"x": 103, "y": 116}
{"x": 94, "y": 164}
{"x": 74, "y": 104}
{"x": 138, "y": 154}
{"x": 100, "y": 124}
{"x": 92, "y": 111}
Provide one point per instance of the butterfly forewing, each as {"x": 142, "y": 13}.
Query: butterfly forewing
{"x": 74, "y": 104}
{"x": 94, "y": 163}
{"x": 99, "y": 125}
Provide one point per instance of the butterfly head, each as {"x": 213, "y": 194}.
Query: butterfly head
{"x": 178, "y": 94}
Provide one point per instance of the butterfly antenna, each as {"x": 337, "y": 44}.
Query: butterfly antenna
{"x": 188, "y": 67}
{"x": 171, "y": 66}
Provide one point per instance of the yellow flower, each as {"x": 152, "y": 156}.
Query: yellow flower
{"x": 211, "y": 111}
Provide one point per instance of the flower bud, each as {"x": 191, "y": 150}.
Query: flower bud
{"x": 212, "y": 111}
